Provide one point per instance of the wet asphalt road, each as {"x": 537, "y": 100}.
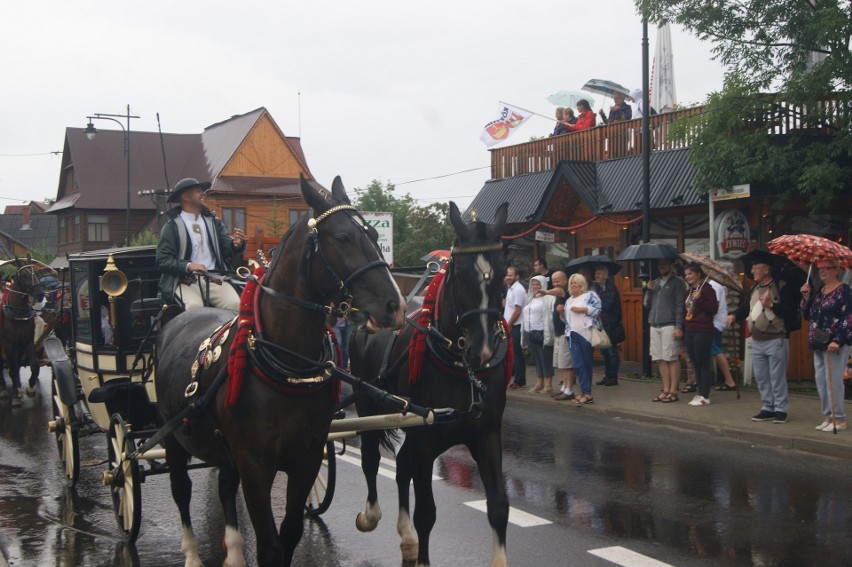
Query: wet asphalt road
{"x": 678, "y": 497}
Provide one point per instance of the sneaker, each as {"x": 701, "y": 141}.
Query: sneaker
{"x": 563, "y": 396}
{"x": 780, "y": 417}
{"x": 823, "y": 425}
{"x": 841, "y": 426}
{"x": 765, "y": 415}
{"x": 515, "y": 386}
{"x": 699, "y": 401}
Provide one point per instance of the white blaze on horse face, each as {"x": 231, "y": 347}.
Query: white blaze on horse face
{"x": 483, "y": 268}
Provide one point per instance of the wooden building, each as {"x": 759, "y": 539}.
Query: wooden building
{"x": 581, "y": 194}
{"x": 253, "y": 166}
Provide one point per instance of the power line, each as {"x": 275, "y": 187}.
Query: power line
{"x": 32, "y": 155}
{"x": 443, "y": 176}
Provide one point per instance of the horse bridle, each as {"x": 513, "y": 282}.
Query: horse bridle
{"x": 343, "y": 308}
{"x": 471, "y": 250}
{"x": 27, "y": 310}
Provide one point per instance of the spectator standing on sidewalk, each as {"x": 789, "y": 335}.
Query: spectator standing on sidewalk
{"x": 515, "y": 295}
{"x": 717, "y": 350}
{"x": 537, "y": 327}
{"x": 829, "y": 309}
{"x": 770, "y": 311}
{"x": 540, "y": 269}
{"x": 701, "y": 305}
{"x": 561, "y": 354}
{"x": 611, "y": 321}
{"x": 664, "y": 299}
{"x": 581, "y": 314}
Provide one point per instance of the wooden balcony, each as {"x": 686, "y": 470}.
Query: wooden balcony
{"x": 619, "y": 139}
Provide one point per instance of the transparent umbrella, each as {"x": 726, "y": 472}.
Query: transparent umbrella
{"x": 569, "y": 98}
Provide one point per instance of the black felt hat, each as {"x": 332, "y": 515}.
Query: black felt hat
{"x": 183, "y": 185}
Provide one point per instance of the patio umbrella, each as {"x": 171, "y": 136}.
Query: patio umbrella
{"x": 592, "y": 262}
{"x": 714, "y": 270}
{"x": 606, "y": 88}
{"x": 809, "y": 249}
{"x": 782, "y": 268}
{"x": 569, "y": 98}
{"x": 648, "y": 251}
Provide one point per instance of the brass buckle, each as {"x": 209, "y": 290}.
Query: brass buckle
{"x": 190, "y": 390}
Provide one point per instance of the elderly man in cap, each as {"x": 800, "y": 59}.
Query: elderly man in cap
{"x": 194, "y": 240}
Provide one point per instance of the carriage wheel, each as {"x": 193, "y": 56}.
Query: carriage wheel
{"x": 123, "y": 480}
{"x": 319, "y": 498}
{"x": 64, "y": 425}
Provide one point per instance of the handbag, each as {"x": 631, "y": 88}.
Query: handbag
{"x": 600, "y": 339}
{"x": 536, "y": 337}
{"x": 819, "y": 340}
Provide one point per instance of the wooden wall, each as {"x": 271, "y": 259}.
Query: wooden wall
{"x": 264, "y": 153}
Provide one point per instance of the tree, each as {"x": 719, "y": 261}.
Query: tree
{"x": 416, "y": 230}
{"x": 799, "y": 51}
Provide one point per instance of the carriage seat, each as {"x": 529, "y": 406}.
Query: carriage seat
{"x": 108, "y": 391}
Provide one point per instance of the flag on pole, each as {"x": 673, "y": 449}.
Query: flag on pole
{"x": 663, "y": 93}
{"x": 510, "y": 119}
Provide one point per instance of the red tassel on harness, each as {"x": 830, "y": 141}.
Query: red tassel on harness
{"x": 417, "y": 346}
{"x": 238, "y": 355}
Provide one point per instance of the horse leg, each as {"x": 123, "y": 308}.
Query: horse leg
{"x": 299, "y": 484}
{"x": 229, "y": 483}
{"x": 408, "y": 543}
{"x": 367, "y": 520}
{"x": 489, "y": 460}
{"x": 34, "y": 370}
{"x": 178, "y": 459}
{"x": 15, "y": 376}
{"x": 257, "y": 487}
{"x": 4, "y": 393}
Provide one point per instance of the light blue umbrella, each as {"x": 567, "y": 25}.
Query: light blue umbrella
{"x": 569, "y": 99}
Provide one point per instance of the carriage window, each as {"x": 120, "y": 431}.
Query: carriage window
{"x": 144, "y": 304}
{"x": 82, "y": 306}
{"x": 98, "y": 228}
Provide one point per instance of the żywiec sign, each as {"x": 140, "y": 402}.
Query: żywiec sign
{"x": 383, "y": 223}
{"x": 732, "y": 234}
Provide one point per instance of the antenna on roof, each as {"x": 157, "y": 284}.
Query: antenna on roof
{"x": 163, "y": 148}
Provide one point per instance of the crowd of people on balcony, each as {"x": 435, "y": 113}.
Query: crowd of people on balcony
{"x": 620, "y": 111}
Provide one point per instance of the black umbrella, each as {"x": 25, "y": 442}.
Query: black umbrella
{"x": 591, "y": 263}
{"x": 782, "y": 268}
{"x": 648, "y": 251}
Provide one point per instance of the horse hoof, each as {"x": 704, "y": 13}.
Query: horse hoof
{"x": 363, "y": 524}
{"x": 409, "y": 551}
{"x": 20, "y": 394}
{"x": 31, "y": 391}
{"x": 16, "y": 402}
{"x": 4, "y": 394}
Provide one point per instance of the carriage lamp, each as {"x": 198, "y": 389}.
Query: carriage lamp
{"x": 113, "y": 283}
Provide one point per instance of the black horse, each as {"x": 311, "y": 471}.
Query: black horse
{"x": 285, "y": 406}
{"x": 461, "y": 362}
{"x": 17, "y": 334}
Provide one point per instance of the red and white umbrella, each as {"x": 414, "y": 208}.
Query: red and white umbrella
{"x": 809, "y": 249}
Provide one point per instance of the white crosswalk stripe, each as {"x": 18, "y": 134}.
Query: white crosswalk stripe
{"x": 517, "y": 517}
{"x": 626, "y": 558}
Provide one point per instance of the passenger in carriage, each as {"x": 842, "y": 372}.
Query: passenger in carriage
{"x": 194, "y": 240}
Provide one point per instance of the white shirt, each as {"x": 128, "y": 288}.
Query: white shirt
{"x": 201, "y": 252}
{"x": 515, "y": 297}
{"x": 722, "y": 312}
{"x": 533, "y": 315}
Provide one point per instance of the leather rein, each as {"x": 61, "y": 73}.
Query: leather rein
{"x": 21, "y": 312}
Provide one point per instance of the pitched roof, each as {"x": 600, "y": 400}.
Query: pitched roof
{"x": 41, "y": 234}
{"x": 615, "y": 182}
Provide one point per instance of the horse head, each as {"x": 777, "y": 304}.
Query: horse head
{"x": 27, "y": 282}
{"x": 475, "y": 281}
{"x": 345, "y": 263}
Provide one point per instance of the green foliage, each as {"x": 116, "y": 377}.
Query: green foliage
{"x": 769, "y": 46}
{"x": 417, "y": 230}
{"x": 145, "y": 238}
{"x": 276, "y": 226}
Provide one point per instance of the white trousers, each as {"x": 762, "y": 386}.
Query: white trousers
{"x": 224, "y": 296}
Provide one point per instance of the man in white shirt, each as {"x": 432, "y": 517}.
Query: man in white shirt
{"x": 719, "y": 324}
{"x": 515, "y": 296}
{"x": 193, "y": 241}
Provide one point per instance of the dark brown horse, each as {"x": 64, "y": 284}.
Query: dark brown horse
{"x": 285, "y": 406}
{"x": 17, "y": 334}
{"x": 462, "y": 366}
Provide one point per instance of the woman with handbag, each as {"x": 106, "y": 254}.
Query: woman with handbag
{"x": 581, "y": 317}
{"x": 701, "y": 307}
{"x": 829, "y": 312}
{"x": 537, "y": 327}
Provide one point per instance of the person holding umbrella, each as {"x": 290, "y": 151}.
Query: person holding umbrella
{"x": 701, "y": 305}
{"x": 829, "y": 312}
{"x": 585, "y": 120}
{"x": 772, "y": 312}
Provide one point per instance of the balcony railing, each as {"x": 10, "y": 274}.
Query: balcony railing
{"x": 614, "y": 140}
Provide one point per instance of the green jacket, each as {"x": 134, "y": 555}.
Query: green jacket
{"x": 174, "y": 249}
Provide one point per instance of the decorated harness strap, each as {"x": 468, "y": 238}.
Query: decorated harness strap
{"x": 209, "y": 351}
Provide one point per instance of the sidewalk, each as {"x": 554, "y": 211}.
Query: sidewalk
{"x": 726, "y": 415}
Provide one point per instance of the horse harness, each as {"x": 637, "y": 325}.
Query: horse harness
{"x": 17, "y": 312}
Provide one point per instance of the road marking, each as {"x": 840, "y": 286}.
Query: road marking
{"x": 626, "y": 558}
{"x": 355, "y": 459}
{"x": 517, "y": 517}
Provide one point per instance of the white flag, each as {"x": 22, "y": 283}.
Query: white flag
{"x": 510, "y": 119}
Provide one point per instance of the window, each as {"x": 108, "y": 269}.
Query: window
{"x": 75, "y": 234}
{"x": 296, "y": 214}
{"x": 234, "y": 218}
{"x": 98, "y": 228}
{"x": 63, "y": 236}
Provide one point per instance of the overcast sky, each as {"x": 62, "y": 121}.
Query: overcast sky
{"x": 390, "y": 90}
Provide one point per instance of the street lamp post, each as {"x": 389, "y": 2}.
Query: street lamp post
{"x": 90, "y": 134}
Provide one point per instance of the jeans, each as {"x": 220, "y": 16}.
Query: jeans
{"x": 519, "y": 370}
{"x": 838, "y": 363}
{"x": 611, "y": 362}
{"x": 581, "y": 354}
{"x": 343, "y": 335}
{"x": 769, "y": 362}
{"x": 698, "y": 345}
